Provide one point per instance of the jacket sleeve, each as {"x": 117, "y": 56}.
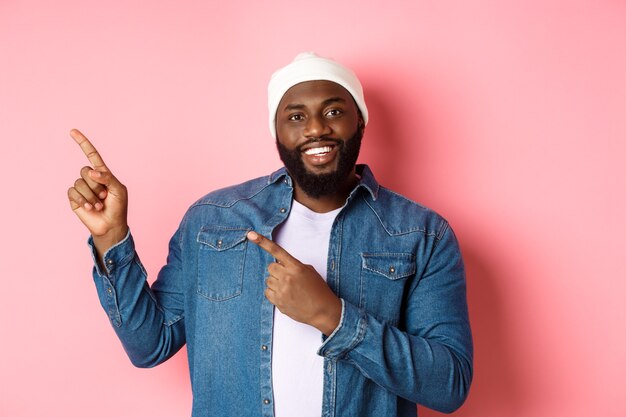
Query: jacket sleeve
{"x": 429, "y": 360}
{"x": 148, "y": 321}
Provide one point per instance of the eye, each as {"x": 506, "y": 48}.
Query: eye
{"x": 296, "y": 117}
{"x": 333, "y": 113}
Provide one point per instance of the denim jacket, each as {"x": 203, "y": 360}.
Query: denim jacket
{"x": 404, "y": 336}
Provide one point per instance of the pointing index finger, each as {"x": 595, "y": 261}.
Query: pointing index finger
{"x": 280, "y": 254}
{"x": 88, "y": 149}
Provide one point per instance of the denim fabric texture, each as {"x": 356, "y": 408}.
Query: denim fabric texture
{"x": 404, "y": 336}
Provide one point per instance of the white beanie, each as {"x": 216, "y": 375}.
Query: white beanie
{"x": 308, "y": 66}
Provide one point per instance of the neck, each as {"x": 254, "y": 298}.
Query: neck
{"x": 329, "y": 202}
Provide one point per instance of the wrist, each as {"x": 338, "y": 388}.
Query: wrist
{"x": 329, "y": 319}
{"x": 109, "y": 239}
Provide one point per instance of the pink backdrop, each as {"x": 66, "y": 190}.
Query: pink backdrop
{"x": 506, "y": 117}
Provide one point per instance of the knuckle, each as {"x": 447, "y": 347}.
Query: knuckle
{"x": 78, "y": 182}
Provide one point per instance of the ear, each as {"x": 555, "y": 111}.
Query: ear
{"x": 361, "y": 124}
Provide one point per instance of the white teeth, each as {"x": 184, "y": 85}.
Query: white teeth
{"x": 318, "y": 151}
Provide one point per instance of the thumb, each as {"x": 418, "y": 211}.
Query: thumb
{"x": 107, "y": 179}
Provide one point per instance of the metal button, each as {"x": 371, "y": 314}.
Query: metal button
{"x": 110, "y": 261}
{"x": 392, "y": 269}
{"x": 263, "y": 347}
{"x": 282, "y": 210}
{"x": 109, "y": 290}
{"x": 219, "y": 243}
{"x": 266, "y": 401}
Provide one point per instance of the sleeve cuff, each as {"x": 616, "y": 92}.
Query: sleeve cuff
{"x": 348, "y": 333}
{"x": 116, "y": 256}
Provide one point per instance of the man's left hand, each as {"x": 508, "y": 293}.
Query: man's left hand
{"x": 297, "y": 290}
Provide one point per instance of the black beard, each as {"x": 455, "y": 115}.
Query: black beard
{"x": 320, "y": 185}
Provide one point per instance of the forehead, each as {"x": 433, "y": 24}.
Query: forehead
{"x": 311, "y": 92}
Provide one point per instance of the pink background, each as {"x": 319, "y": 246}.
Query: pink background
{"x": 506, "y": 117}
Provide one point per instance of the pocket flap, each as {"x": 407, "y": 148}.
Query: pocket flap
{"x": 390, "y": 265}
{"x": 222, "y": 238}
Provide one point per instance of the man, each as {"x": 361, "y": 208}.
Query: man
{"x": 369, "y": 287}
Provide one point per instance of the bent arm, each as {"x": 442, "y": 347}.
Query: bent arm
{"x": 148, "y": 321}
{"x": 429, "y": 360}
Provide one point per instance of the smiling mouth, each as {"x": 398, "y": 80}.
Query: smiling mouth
{"x": 319, "y": 151}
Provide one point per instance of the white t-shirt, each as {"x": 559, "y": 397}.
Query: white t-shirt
{"x": 297, "y": 370}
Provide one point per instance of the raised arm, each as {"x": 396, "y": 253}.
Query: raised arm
{"x": 148, "y": 321}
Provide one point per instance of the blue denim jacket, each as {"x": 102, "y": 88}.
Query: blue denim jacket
{"x": 404, "y": 335}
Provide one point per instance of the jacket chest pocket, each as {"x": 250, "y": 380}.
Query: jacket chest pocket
{"x": 221, "y": 259}
{"x": 383, "y": 281}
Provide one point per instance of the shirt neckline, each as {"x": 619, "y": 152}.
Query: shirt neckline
{"x": 303, "y": 211}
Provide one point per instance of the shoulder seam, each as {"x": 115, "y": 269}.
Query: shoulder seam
{"x": 426, "y": 232}
{"x": 202, "y": 202}
{"x": 404, "y": 197}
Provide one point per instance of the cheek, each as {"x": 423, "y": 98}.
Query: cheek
{"x": 347, "y": 128}
{"x": 287, "y": 136}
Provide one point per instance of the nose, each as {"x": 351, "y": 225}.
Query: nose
{"x": 316, "y": 127}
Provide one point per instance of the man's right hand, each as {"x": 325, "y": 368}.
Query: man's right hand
{"x": 99, "y": 200}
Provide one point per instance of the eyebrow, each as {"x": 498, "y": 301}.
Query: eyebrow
{"x": 326, "y": 102}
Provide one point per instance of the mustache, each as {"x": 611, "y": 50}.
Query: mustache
{"x": 311, "y": 141}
